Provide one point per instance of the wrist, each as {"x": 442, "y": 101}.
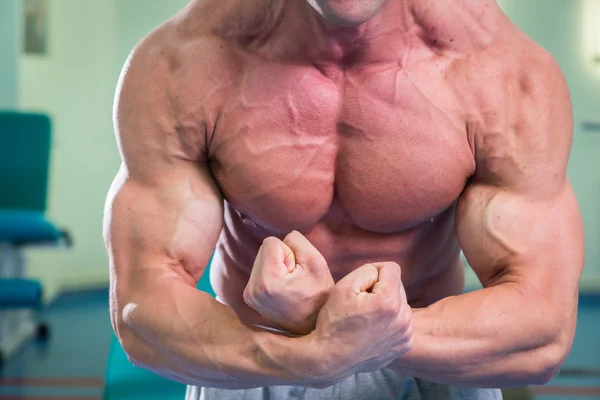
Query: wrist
{"x": 422, "y": 322}
{"x": 319, "y": 367}
{"x": 294, "y": 357}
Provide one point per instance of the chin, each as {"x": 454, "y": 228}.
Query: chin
{"x": 347, "y": 12}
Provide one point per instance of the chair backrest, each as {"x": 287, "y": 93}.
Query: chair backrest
{"x": 24, "y": 158}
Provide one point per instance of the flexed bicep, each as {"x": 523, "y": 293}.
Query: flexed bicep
{"x": 518, "y": 220}
{"x": 164, "y": 211}
{"x": 509, "y": 236}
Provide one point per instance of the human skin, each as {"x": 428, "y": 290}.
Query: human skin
{"x": 389, "y": 146}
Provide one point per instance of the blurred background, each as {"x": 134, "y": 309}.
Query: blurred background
{"x": 59, "y": 63}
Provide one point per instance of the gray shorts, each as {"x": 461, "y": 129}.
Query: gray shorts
{"x": 381, "y": 385}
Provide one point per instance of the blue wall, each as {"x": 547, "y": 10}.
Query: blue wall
{"x": 10, "y": 40}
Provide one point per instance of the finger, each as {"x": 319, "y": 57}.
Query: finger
{"x": 361, "y": 279}
{"x": 307, "y": 255}
{"x": 289, "y": 260}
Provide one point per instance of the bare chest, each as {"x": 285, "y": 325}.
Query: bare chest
{"x": 290, "y": 142}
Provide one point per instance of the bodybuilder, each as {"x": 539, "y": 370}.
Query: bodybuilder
{"x": 337, "y": 156}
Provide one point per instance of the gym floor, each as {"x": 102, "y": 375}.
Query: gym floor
{"x": 71, "y": 365}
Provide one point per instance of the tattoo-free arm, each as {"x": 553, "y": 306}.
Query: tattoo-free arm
{"x": 164, "y": 214}
{"x": 520, "y": 228}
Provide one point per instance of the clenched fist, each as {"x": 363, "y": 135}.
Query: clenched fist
{"x": 289, "y": 283}
{"x": 365, "y": 324}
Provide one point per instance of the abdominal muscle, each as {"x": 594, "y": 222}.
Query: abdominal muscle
{"x": 429, "y": 256}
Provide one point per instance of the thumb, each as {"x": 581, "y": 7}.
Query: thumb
{"x": 306, "y": 254}
{"x": 275, "y": 253}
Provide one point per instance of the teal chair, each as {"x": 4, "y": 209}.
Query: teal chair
{"x": 25, "y": 140}
{"x": 124, "y": 381}
{"x": 25, "y": 156}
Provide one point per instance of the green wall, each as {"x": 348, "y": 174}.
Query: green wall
{"x": 10, "y": 41}
{"x": 75, "y": 82}
{"x": 134, "y": 25}
{"x": 560, "y": 27}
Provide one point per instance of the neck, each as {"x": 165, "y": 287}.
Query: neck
{"x": 293, "y": 30}
{"x": 384, "y": 35}
{"x": 401, "y": 30}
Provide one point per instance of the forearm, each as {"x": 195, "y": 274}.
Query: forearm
{"x": 186, "y": 335}
{"x": 495, "y": 337}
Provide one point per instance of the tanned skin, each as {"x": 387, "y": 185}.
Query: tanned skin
{"x": 359, "y": 146}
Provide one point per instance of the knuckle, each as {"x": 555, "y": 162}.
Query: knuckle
{"x": 389, "y": 311}
{"x": 270, "y": 241}
{"x": 407, "y": 327}
{"x": 394, "y": 266}
{"x": 405, "y": 323}
{"x": 291, "y": 236}
{"x": 264, "y": 287}
{"x": 391, "y": 307}
{"x": 347, "y": 296}
{"x": 314, "y": 260}
{"x": 370, "y": 267}
{"x": 395, "y": 305}
{"x": 273, "y": 288}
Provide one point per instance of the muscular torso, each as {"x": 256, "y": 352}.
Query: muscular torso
{"x": 367, "y": 168}
{"x": 367, "y": 160}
